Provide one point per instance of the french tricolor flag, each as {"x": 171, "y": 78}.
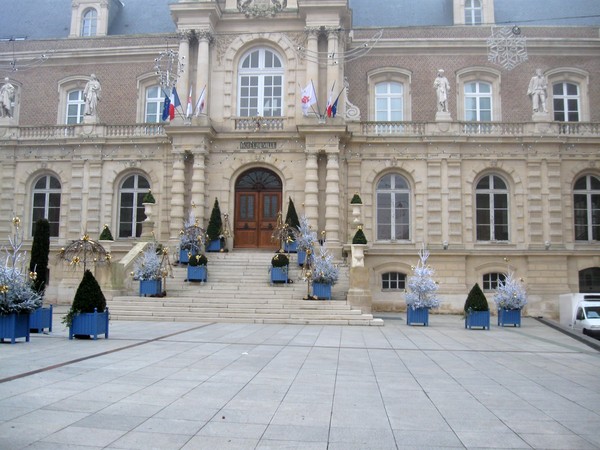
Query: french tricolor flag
{"x": 174, "y": 103}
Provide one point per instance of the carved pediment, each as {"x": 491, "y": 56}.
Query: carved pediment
{"x": 261, "y": 8}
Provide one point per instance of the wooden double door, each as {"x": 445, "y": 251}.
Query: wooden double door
{"x": 257, "y": 204}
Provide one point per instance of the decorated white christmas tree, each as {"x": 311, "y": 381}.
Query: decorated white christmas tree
{"x": 511, "y": 293}
{"x": 422, "y": 289}
{"x": 323, "y": 269}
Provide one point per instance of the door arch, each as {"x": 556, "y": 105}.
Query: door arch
{"x": 257, "y": 202}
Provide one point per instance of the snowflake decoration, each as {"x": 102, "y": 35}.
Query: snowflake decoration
{"x": 169, "y": 66}
{"x": 506, "y": 47}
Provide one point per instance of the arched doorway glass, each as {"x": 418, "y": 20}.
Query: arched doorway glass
{"x": 257, "y": 202}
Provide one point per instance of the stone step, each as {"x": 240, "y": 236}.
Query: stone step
{"x": 238, "y": 289}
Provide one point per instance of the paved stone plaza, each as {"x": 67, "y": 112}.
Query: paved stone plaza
{"x": 248, "y": 386}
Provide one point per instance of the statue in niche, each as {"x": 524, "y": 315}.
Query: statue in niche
{"x": 7, "y": 98}
{"x": 442, "y": 88}
{"x": 537, "y": 90}
{"x": 91, "y": 95}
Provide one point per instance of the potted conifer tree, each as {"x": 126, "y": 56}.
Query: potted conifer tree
{"x": 147, "y": 268}
{"x": 18, "y": 298}
{"x": 324, "y": 274}
{"x": 477, "y": 310}
{"x": 197, "y": 268}
{"x": 510, "y": 299}
{"x": 88, "y": 315}
{"x": 41, "y": 318}
{"x": 422, "y": 292}
{"x": 292, "y": 222}
{"x": 279, "y": 268}
{"x": 306, "y": 239}
{"x": 213, "y": 231}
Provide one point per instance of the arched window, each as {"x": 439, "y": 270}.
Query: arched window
{"x": 154, "y": 104}
{"x": 491, "y": 203}
{"x": 393, "y": 208}
{"x": 589, "y": 280}
{"x": 473, "y": 12}
{"x": 586, "y": 204}
{"x": 566, "y": 102}
{"x": 46, "y": 203}
{"x": 131, "y": 210}
{"x": 478, "y": 101}
{"x": 492, "y": 280}
{"x": 75, "y": 107}
{"x": 393, "y": 281}
{"x": 89, "y": 21}
{"x": 260, "y": 84}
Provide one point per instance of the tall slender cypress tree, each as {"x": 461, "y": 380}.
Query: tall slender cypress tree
{"x": 40, "y": 249}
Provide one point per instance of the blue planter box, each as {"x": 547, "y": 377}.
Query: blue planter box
{"x": 478, "y": 319}
{"x": 417, "y": 315}
{"x": 90, "y": 324}
{"x": 197, "y": 273}
{"x": 214, "y": 246}
{"x": 322, "y": 291}
{"x": 14, "y": 326}
{"x": 301, "y": 257}
{"x": 279, "y": 274}
{"x": 291, "y": 247}
{"x": 150, "y": 287}
{"x": 40, "y": 319}
{"x": 183, "y": 256}
{"x": 509, "y": 317}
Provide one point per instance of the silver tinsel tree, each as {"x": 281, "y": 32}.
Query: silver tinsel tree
{"x": 422, "y": 289}
{"x": 323, "y": 269}
{"x": 511, "y": 293}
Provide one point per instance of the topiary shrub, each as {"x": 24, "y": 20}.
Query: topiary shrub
{"x": 40, "y": 249}
{"x": 356, "y": 200}
{"x": 215, "y": 223}
{"x": 148, "y": 198}
{"x": 359, "y": 237}
{"x": 106, "y": 235}
{"x": 198, "y": 260}
{"x": 476, "y": 300}
{"x": 88, "y": 297}
{"x": 291, "y": 218}
{"x": 280, "y": 260}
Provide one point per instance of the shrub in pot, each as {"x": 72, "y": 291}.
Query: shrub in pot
{"x": 197, "y": 268}
{"x": 213, "y": 231}
{"x": 279, "y": 268}
{"x": 41, "y": 318}
{"x": 477, "y": 310}
{"x": 88, "y": 315}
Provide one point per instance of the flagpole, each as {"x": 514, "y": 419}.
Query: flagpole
{"x": 316, "y": 98}
{"x": 196, "y": 109}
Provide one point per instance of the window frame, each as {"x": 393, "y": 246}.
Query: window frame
{"x": 137, "y": 209}
{"x": 79, "y": 104}
{"x": 400, "y": 281}
{"x": 492, "y": 193}
{"x": 481, "y": 75}
{"x": 393, "y": 192}
{"x": 471, "y": 8}
{"x": 261, "y": 73}
{"x": 47, "y": 192}
{"x": 570, "y": 75}
{"x": 491, "y": 281}
{"x": 65, "y": 86}
{"x": 159, "y": 101}
{"x": 592, "y": 226}
{"x": 89, "y": 25}
{"x": 390, "y": 75}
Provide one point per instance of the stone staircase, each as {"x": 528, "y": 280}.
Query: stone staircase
{"x": 239, "y": 290}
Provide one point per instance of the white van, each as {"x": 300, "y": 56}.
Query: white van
{"x": 587, "y": 318}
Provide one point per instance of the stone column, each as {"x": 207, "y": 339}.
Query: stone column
{"x": 176, "y": 216}
{"x": 183, "y": 83}
{"x": 203, "y": 64}
{"x": 311, "y": 189}
{"x": 332, "y": 201}
{"x": 333, "y": 63}
{"x": 199, "y": 184}
{"x": 312, "y": 63}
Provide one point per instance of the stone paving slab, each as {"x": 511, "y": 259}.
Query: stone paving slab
{"x": 174, "y": 385}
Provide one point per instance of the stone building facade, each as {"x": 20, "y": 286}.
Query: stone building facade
{"x": 489, "y": 187}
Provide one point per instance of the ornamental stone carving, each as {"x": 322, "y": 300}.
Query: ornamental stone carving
{"x": 261, "y": 8}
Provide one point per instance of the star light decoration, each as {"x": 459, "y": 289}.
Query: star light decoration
{"x": 506, "y": 47}
{"x": 168, "y": 66}
{"x": 84, "y": 250}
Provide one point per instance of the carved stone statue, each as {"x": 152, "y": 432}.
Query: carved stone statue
{"x": 537, "y": 90}
{"x": 442, "y": 88}
{"x": 91, "y": 95}
{"x": 7, "y": 98}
